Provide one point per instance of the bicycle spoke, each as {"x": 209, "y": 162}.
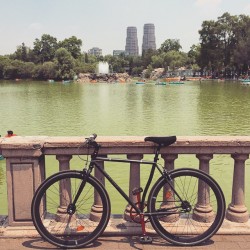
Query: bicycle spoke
{"x": 197, "y": 217}
{"x": 54, "y": 222}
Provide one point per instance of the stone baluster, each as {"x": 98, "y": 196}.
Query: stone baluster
{"x": 203, "y": 211}
{"x": 134, "y": 182}
{"x": 64, "y": 187}
{"x": 64, "y": 162}
{"x": 168, "y": 197}
{"x": 97, "y": 208}
{"x": 237, "y": 211}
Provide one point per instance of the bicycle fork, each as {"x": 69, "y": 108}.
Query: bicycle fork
{"x": 72, "y": 206}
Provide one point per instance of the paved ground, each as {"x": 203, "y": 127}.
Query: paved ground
{"x": 218, "y": 242}
{"x": 235, "y": 236}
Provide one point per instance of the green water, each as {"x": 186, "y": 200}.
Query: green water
{"x": 56, "y": 109}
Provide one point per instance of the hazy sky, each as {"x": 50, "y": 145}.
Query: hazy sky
{"x": 103, "y": 23}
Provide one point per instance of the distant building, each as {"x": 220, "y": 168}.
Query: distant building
{"x": 95, "y": 51}
{"x": 148, "y": 37}
{"x": 120, "y": 52}
{"x": 132, "y": 42}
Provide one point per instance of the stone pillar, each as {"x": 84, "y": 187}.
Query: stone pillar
{"x": 24, "y": 174}
{"x": 64, "y": 162}
{"x": 134, "y": 182}
{"x": 65, "y": 188}
{"x": 168, "y": 196}
{"x": 97, "y": 208}
{"x": 237, "y": 211}
{"x": 203, "y": 211}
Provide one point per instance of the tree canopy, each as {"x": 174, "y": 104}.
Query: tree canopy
{"x": 224, "y": 43}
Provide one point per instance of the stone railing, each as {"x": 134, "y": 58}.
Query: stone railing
{"x": 25, "y": 163}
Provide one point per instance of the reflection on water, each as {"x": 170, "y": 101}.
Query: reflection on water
{"x": 224, "y": 108}
{"x": 55, "y": 109}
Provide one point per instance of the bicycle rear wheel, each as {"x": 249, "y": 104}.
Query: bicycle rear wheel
{"x": 53, "y": 221}
{"x": 194, "y": 220}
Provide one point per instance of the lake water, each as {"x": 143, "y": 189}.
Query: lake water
{"x": 194, "y": 108}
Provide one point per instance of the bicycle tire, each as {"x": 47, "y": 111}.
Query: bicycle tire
{"x": 197, "y": 225}
{"x": 49, "y": 210}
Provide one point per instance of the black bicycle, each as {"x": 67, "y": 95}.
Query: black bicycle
{"x": 185, "y": 206}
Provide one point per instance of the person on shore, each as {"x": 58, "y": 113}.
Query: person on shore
{"x": 10, "y": 133}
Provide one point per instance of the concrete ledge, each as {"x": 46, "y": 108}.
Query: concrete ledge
{"x": 36, "y": 145}
{"x": 118, "y": 227}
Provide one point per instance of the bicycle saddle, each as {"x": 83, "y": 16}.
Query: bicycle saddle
{"x": 163, "y": 141}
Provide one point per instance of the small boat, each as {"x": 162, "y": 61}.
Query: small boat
{"x": 140, "y": 83}
{"x": 66, "y": 81}
{"x": 160, "y": 83}
{"x": 51, "y": 80}
{"x": 245, "y": 80}
{"x": 176, "y": 82}
{"x": 172, "y": 79}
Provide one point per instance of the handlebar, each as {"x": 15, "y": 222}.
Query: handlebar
{"x": 92, "y": 137}
{"x": 91, "y": 140}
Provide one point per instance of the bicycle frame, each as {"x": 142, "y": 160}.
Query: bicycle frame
{"x": 94, "y": 163}
{"x": 116, "y": 186}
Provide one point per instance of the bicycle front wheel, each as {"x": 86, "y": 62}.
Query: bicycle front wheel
{"x": 51, "y": 210}
{"x": 187, "y": 209}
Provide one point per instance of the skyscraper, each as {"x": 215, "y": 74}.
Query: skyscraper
{"x": 148, "y": 37}
{"x": 132, "y": 42}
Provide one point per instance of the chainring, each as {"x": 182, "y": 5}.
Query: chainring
{"x": 135, "y": 217}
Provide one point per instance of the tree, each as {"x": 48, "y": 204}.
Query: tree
{"x": 44, "y": 49}
{"x": 72, "y": 45}
{"x": 194, "y": 53}
{"x": 174, "y": 59}
{"x": 4, "y": 62}
{"x": 64, "y": 64}
{"x": 21, "y": 53}
{"x": 137, "y": 71}
{"x": 27, "y": 70}
{"x": 18, "y": 69}
{"x": 170, "y": 44}
{"x": 148, "y": 71}
{"x": 147, "y": 57}
{"x": 211, "y": 52}
{"x": 119, "y": 64}
{"x": 157, "y": 61}
{"x": 220, "y": 41}
{"x": 49, "y": 70}
{"x": 242, "y": 54}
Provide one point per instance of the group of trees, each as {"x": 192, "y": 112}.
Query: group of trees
{"x": 225, "y": 45}
{"x": 47, "y": 59}
{"x": 224, "y": 49}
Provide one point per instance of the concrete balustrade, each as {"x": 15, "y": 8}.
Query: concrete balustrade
{"x": 25, "y": 164}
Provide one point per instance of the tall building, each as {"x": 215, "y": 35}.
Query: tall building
{"x": 132, "y": 42}
{"x": 95, "y": 51}
{"x": 148, "y": 37}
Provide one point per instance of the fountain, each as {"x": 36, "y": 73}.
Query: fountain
{"x": 102, "y": 68}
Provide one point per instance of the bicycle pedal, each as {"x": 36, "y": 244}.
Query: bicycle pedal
{"x": 137, "y": 191}
{"x": 146, "y": 239}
